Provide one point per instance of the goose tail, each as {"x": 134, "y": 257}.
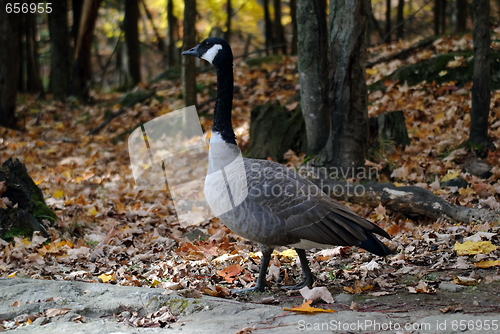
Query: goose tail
{"x": 375, "y": 246}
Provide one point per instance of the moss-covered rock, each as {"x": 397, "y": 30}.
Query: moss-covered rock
{"x": 434, "y": 69}
{"x": 28, "y": 210}
{"x": 271, "y": 59}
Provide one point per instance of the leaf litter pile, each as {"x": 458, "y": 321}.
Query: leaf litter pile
{"x": 113, "y": 232}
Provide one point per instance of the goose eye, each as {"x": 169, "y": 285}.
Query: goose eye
{"x": 207, "y": 44}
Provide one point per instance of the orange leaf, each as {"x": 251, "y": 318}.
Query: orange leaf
{"x": 230, "y": 272}
{"x": 306, "y": 307}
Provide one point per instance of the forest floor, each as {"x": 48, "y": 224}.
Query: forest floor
{"x": 113, "y": 235}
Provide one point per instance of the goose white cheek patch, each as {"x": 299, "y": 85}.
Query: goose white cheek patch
{"x": 211, "y": 53}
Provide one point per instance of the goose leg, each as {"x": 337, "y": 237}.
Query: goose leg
{"x": 260, "y": 286}
{"x": 307, "y": 278}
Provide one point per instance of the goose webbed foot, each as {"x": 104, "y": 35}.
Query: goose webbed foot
{"x": 307, "y": 277}
{"x": 260, "y": 285}
{"x": 255, "y": 288}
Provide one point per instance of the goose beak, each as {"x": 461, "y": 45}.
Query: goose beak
{"x": 191, "y": 52}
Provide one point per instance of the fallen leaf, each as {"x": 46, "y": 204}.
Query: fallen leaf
{"x": 422, "y": 287}
{"x": 474, "y": 247}
{"x": 230, "y": 272}
{"x": 487, "y": 264}
{"x": 464, "y": 280}
{"x": 289, "y": 253}
{"x": 105, "y": 277}
{"x": 306, "y": 308}
{"x": 54, "y": 312}
{"x": 319, "y": 292}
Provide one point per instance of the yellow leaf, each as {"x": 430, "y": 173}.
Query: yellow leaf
{"x": 105, "y": 277}
{"x": 289, "y": 253}
{"x": 450, "y": 175}
{"x": 487, "y": 264}
{"x": 443, "y": 73}
{"x": 26, "y": 242}
{"x": 474, "y": 247}
{"x": 59, "y": 194}
{"x": 92, "y": 211}
{"x": 12, "y": 275}
{"x": 59, "y": 126}
{"x": 155, "y": 283}
{"x": 306, "y": 308}
{"x": 464, "y": 280}
{"x": 371, "y": 71}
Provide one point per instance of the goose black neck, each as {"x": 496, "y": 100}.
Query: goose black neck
{"x": 224, "y": 104}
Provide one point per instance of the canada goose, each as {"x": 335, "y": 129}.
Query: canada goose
{"x": 301, "y": 215}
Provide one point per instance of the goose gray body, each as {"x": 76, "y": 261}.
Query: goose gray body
{"x": 281, "y": 208}
{"x": 284, "y": 209}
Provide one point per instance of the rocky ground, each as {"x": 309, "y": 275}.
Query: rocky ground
{"x": 78, "y": 307}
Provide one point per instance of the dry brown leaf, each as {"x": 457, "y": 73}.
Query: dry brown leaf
{"x": 230, "y": 272}
{"x": 54, "y": 312}
{"x": 316, "y": 293}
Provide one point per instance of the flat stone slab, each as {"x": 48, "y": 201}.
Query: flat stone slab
{"x": 97, "y": 303}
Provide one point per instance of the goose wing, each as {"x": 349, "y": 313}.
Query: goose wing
{"x": 283, "y": 208}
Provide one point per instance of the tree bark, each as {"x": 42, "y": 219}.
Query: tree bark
{"x": 229, "y": 12}
{"x": 60, "y": 56}
{"x": 388, "y": 21}
{"x": 400, "y": 18}
{"x": 77, "y": 17}
{"x": 21, "y": 83}
{"x": 481, "y": 85}
{"x": 171, "y": 33}
{"x": 293, "y": 14}
{"x": 437, "y": 16}
{"x": 82, "y": 69}
{"x": 313, "y": 70}
{"x": 268, "y": 26}
{"x": 443, "y": 16}
{"x": 461, "y": 23}
{"x": 131, "y": 29}
{"x": 348, "y": 143}
{"x": 33, "y": 82}
{"x": 278, "y": 27}
{"x": 188, "y": 63}
{"x": 9, "y": 66}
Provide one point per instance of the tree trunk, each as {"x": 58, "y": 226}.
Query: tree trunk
{"x": 131, "y": 29}
{"x": 437, "y": 16}
{"x": 82, "y": 69}
{"x": 278, "y": 27}
{"x": 481, "y": 86}
{"x": 388, "y": 21}
{"x": 188, "y": 63}
{"x": 21, "y": 83}
{"x": 443, "y": 16}
{"x": 347, "y": 146}
{"x": 461, "y": 22}
{"x": 171, "y": 29}
{"x": 268, "y": 26}
{"x": 229, "y": 12}
{"x": 60, "y": 57}
{"x": 400, "y": 18}
{"x": 293, "y": 14}
{"x": 77, "y": 17}
{"x": 313, "y": 70}
{"x": 9, "y": 66}
{"x": 33, "y": 82}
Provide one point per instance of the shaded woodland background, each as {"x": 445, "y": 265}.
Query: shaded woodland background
{"x": 422, "y": 79}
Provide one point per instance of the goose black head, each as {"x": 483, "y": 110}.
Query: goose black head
{"x": 214, "y": 50}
